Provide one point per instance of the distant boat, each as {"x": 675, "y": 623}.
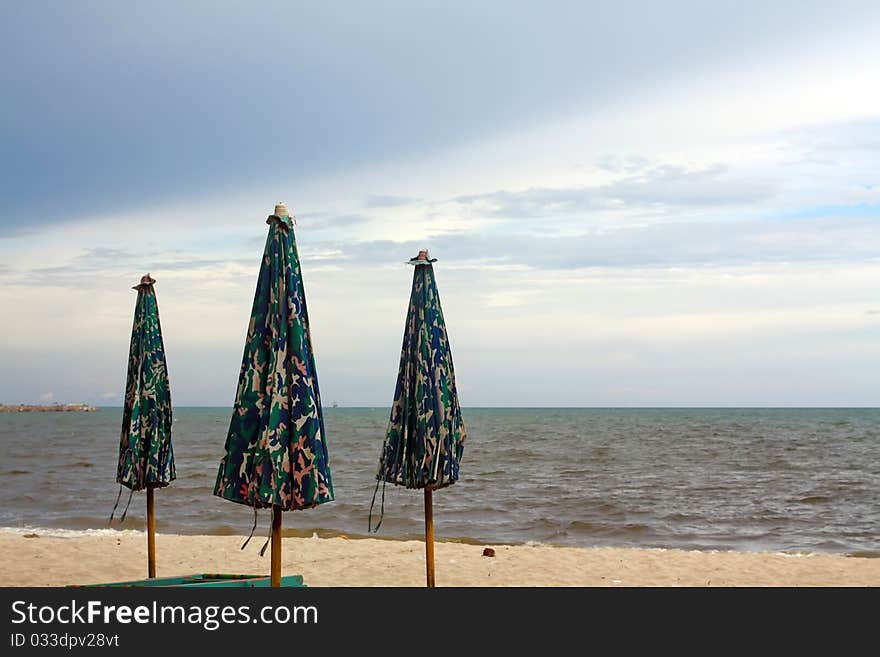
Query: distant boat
{"x": 335, "y": 404}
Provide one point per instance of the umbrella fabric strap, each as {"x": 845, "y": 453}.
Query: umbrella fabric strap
{"x": 253, "y": 529}
{"x": 382, "y": 508}
{"x": 127, "y": 504}
{"x": 115, "y": 505}
{"x": 269, "y": 538}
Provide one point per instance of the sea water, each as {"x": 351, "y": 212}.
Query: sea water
{"x": 792, "y": 480}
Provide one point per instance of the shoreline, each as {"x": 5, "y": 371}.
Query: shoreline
{"x": 326, "y": 533}
{"x": 37, "y": 558}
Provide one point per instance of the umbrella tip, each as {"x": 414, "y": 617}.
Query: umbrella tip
{"x": 281, "y": 210}
{"x": 146, "y": 280}
{"x": 423, "y": 257}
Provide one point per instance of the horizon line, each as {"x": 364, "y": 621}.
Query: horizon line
{"x": 672, "y": 407}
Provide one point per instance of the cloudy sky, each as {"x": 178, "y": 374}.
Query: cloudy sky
{"x": 648, "y": 204}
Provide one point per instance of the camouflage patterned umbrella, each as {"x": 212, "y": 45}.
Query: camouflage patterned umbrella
{"x": 276, "y": 453}
{"x": 425, "y": 438}
{"x": 146, "y": 459}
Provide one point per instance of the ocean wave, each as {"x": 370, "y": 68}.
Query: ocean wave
{"x": 53, "y": 532}
{"x": 812, "y": 499}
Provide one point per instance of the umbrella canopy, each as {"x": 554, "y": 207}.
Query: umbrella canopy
{"x": 425, "y": 438}
{"x": 146, "y": 459}
{"x": 276, "y": 453}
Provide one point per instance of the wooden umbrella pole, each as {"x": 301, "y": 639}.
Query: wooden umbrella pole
{"x": 276, "y": 545}
{"x": 151, "y": 534}
{"x": 429, "y": 537}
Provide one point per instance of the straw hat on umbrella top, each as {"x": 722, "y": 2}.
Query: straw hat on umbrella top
{"x": 146, "y": 458}
{"x": 276, "y": 451}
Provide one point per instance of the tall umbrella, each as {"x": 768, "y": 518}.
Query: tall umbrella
{"x": 276, "y": 453}
{"x": 146, "y": 458}
{"x": 425, "y": 438}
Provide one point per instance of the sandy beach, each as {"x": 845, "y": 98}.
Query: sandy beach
{"x": 40, "y": 559}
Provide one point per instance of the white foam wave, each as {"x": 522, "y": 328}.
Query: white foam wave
{"x": 51, "y": 532}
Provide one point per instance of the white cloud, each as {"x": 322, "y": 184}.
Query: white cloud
{"x": 709, "y": 241}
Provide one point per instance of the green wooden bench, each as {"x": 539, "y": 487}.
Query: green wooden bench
{"x": 208, "y": 579}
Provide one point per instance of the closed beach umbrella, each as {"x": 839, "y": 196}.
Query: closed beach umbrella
{"x": 276, "y": 452}
{"x": 425, "y": 438}
{"x": 146, "y": 459}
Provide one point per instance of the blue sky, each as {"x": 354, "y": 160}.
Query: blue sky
{"x": 652, "y": 204}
